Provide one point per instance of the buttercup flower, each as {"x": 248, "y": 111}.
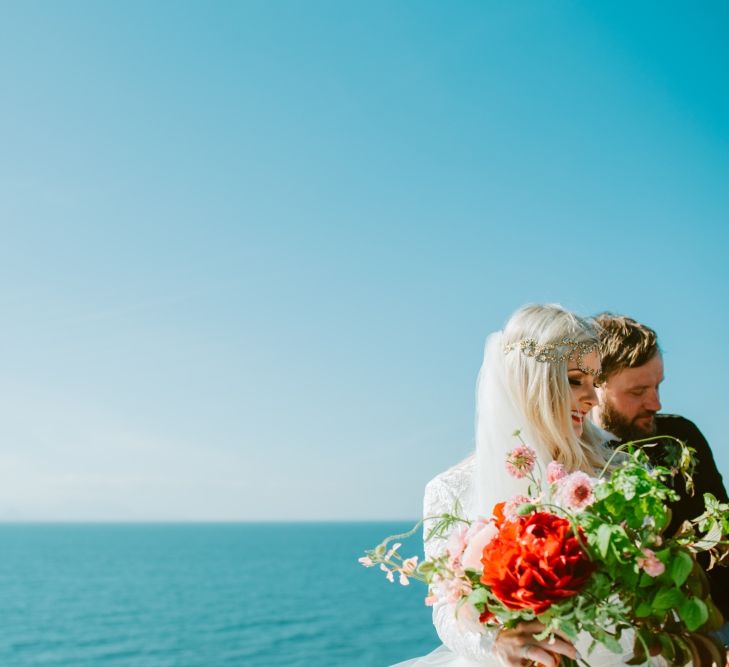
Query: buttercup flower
{"x": 520, "y": 461}
{"x": 650, "y": 564}
{"x": 555, "y": 472}
{"x": 576, "y": 491}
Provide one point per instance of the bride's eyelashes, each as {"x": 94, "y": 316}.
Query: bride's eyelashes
{"x": 577, "y": 382}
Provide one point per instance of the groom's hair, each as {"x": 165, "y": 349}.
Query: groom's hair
{"x": 624, "y": 343}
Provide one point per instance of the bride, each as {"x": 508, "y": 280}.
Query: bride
{"x": 538, "y": 376}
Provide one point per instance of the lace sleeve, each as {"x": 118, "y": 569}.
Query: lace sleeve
{"x": 441, "y": 496}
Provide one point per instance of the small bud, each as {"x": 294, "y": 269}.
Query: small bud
{"x": 525, "y": 508}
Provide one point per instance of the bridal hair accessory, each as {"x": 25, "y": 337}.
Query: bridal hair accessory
{"x": 556, "y": 352}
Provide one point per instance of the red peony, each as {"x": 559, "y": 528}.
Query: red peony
{"x": 535, "y": 561}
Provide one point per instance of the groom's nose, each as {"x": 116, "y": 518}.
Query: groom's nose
{"x": 652, "y": 401}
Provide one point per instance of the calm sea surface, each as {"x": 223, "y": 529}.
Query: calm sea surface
{"x": 257, "y": 595}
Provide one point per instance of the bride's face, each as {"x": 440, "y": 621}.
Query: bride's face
{"x": 582, "y": 387}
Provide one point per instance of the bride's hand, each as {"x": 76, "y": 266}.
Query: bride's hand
{"x": 517, "y": 647}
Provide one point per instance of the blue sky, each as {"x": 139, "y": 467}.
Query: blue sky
{"x": 250, "y": 251}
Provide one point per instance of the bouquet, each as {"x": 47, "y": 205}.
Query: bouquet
{"x": 582, "y": 555}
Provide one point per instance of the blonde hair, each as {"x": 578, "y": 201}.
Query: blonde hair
{"x": 541, "y": 389}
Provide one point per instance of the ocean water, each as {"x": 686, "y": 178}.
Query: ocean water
{"x": 194, "y": 595}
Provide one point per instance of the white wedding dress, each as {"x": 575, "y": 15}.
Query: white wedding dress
{"x": 475, "y": 485}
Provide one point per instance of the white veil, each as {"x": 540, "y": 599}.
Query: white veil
{"x": 497, "y": 417}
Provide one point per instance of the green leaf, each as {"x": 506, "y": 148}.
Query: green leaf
{"x": 715, "y": 620}
{"x": 693, "y": 613}
{"x": 643, "y": 609}
{"x": 681, "y": 567}
{"x": 668, "y": 598}
{"x": 646, "y": 580}
{"x": 667, "y": 649}
{"x": 629, "y": 487}
{"x": 569, "y": 628}
{"x": 697, "y": 585}
{"x": 683, "y": 652}
{"x": 612, "y": 643}
{"x": 478, "y": 596}
{"x": 604, "y": 532}
{"x": 712, "y": 504}
{"x": 615, "y": 504}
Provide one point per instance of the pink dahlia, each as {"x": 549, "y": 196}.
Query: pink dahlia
{"x": 520, "y": 461}
{"x": 555, "y": 472}
{"x": 576, "y": 491}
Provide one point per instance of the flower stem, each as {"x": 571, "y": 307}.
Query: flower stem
{"x": 625, "y": 445}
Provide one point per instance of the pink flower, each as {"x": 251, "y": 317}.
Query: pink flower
{"x": 456, "y": 588}
{"x": 404, "y": 581}
{"x": 555, "y": 471}
{"x": 449, "y": 588}
{"x": 389, "y": 576}
{"x": 456, "y": 545}
{"x": 392, "y": 550}
{"x": 366, "y": 561}
{"x": 520, "y": 461}
{"x": 409, "y": 565}
{"x": 479, "y": 535}
{"x": 652, "y": 566}
{"x": 431, "y": 600}
{"x": 576, "y": 491}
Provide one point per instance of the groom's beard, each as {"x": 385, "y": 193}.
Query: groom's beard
{"x": 625, "y": 429}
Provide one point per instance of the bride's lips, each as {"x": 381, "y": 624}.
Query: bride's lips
{"x": 578, "y": 416}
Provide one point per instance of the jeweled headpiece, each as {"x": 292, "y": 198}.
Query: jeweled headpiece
{"x": 566, "y": 349}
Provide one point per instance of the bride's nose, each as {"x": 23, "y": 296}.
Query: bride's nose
{"x": 589, "y": 397}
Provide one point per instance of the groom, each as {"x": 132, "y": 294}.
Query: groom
{"x": 632, "y": 366}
